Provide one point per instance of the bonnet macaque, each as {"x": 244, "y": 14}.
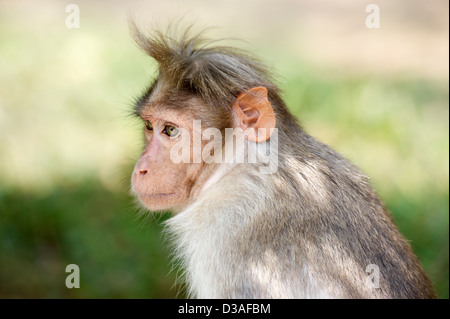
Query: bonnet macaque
{"x": 261, "y": 209}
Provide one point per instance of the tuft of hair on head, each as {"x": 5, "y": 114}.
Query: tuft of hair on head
{"x": 189, "y": 63}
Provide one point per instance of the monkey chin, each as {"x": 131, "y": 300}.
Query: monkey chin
{"x": 159, "y": 202}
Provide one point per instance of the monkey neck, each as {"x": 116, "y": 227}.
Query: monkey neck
{"x": 219, "y": 173}
{"x": 225, "y": 210}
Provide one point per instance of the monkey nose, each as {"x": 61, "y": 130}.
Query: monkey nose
{"x": 142, "y": 171}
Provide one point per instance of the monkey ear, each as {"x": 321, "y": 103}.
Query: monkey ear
{"x": 253, "y": 111}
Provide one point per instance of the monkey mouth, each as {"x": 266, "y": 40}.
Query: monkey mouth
{"x": 156, "y": 196}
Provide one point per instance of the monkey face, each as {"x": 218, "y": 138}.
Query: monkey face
{"x": 160, "y": 181}
{"x": 163, "y": 179}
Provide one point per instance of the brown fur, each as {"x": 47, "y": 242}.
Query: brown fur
{"x": 308, "y": 230}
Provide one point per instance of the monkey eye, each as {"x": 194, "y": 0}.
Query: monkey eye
{"x": 170, "y": 131}
{"x": 148, "y": 125}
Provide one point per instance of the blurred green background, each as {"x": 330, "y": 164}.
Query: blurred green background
{"x": 68, "y": 144}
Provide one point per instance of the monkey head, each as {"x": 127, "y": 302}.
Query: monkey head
{"x": 159, "y": 180}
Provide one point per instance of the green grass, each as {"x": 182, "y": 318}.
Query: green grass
{"x": 119, "y": 255}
